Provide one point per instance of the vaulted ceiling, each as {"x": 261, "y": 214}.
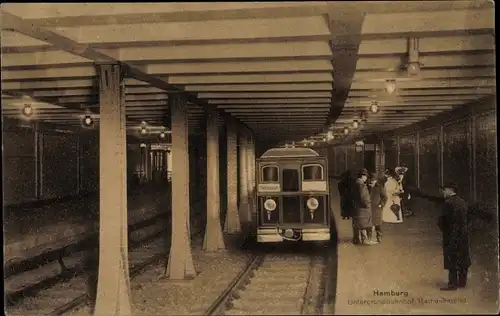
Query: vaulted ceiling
{"x": 288, "y": 70}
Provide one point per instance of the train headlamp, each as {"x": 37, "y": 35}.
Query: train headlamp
{"x": 270, "y": 205}
{"x": 312, "y": 203}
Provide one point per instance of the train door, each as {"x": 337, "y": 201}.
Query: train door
{"x": 290, "y": 183}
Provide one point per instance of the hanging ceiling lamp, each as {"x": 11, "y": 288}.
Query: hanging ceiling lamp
{"x": 329, "y": 135}
{"x": 27, "y": 110}
{"x": 355, "y": 124}
{"x": 374, "y": 107}
{"x": 390, "y": 86}
{"x": 346, "y": 130}
{"x": 88, "y": 121}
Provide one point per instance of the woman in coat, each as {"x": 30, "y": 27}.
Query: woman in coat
{"x": 378, "y": 198}
{"x": 391, "y": 212}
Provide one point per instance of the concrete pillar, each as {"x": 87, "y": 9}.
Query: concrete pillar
{"x": 113, "y": 286}
{"x": 213, "y": 240}
{"x": 232, "y": 223}
{"x": 180, "y": 262}
{"x": 244, "y": 207}
{"x": 250, "y": 173}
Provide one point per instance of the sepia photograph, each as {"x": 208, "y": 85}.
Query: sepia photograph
{"x": 250, "y": 158}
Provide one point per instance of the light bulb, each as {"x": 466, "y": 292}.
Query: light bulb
{"x": 27, "y": 110}
{"x": 346, "y": 130}
{"x": 374, "y": 108}
{"x": 324, "y": 139}
{"x": 312, "y": 143}
{"x": 390, "y": 86}
{"x": 143, "y": 130}
{"x": 329, "y": 135}
{"x": 162, "y": 135}
{"x": 88, "y": 121}
{"x": 413, "y": 69}
{"x": 355, "y": 124}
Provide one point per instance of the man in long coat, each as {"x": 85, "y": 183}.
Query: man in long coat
{"x": 453, "y": 225}
{"x": 362, "y": 215}
{"x": 345, "y": 186}
{"x": 378, "y": 198}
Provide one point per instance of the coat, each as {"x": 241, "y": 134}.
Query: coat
{"x": 345, "y": 188}
{"x": 453, "y": 225}
{"x": 378, "y": 198}
{"x": 362, "y": 216}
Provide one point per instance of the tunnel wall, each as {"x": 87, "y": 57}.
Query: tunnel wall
{"x": 42, "y": 162}
{"x": 458, "y": 146}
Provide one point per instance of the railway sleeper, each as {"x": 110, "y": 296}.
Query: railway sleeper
{"x": 278, "y": 287}
{"x": 294, "y": 274}
{"x": 268, "y": 310}
{"x": 266, "y": 295}
{"x": 278, "y": 268}
{"x": 282, "y": 279}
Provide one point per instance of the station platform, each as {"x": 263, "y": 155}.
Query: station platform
{"x": 409, "y": 265}
{"x": 33, "y": 231}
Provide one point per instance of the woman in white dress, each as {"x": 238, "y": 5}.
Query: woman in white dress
{"x": 392, "y": 212}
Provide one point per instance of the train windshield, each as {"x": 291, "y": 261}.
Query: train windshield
{"x": 290, "y": 180}
{"x": 270, "y": 174}
{"x": 312, "y": 172}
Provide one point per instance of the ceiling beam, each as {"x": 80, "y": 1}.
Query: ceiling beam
{"x": 84, "y": 51}
{"x": 196, "y": 32}
{"x": 265, "y": 95}
{"x": 262, "y": 78}
{"x": 436, "y": 44}
{"x": 263, "y": 87}
{"x": 417, "y": 23}
{"x": 425, "y": 92}
{"x": 47, "y": 15}
{"x": 425, "y": 74}
{"x": 345, "y": 51}
{"x": 431, "y": 84}
{"x": 458, "y": 60}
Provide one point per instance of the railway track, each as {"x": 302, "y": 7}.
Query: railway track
{"x": 68, "y": 292}
{"x": 275, "y": 284}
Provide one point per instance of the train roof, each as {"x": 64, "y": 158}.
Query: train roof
{"x": 289, "y": 152}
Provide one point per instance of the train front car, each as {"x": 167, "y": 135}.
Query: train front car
{"x": 293, "y": 196}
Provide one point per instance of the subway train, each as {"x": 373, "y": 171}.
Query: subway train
{"x": 293, "y": 196}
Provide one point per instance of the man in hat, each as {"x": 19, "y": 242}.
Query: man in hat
{"x": 453, "y": 225}
{"x": 361, "y": 219}
{"x": 378, "y": 198}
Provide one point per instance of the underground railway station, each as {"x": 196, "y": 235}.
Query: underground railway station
{"x": 192, "y": 158}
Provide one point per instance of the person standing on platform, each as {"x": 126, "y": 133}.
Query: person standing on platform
{"x": 405, "y": 194}
{"x": 362, "y": 216}
{"x": 453, "y": 225}
{"x": 391, "y": 212}
{"x": 378, "y": 198}
{"x": 345, "y": 192}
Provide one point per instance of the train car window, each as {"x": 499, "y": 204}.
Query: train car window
{"x": 312, "y": 172}
{"x": 270, "y": 174}
{"x": 290, "y": 180}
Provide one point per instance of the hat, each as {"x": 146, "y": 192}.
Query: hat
{"x": 401, "y": 170}
{"x": 450, "y": 185}
{"x": 363, "y": 172}
{"x": 373, "y": 176}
